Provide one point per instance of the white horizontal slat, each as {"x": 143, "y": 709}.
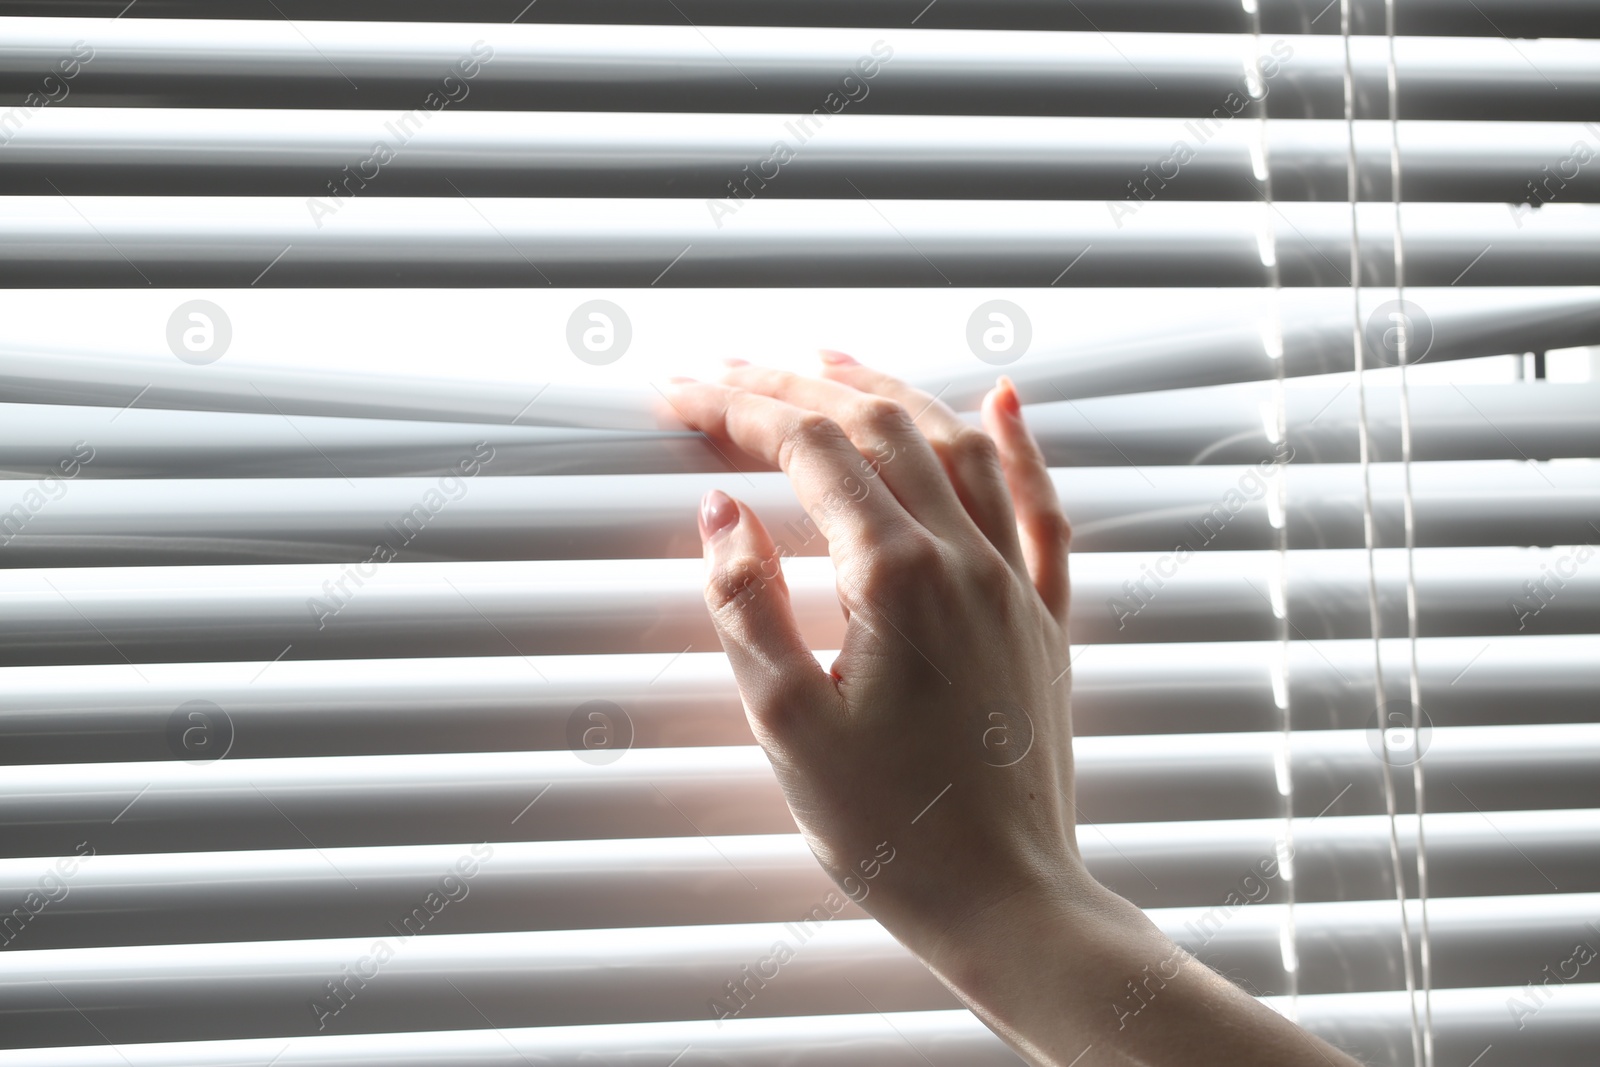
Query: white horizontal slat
{"x": 99, "y": 241}
{"x": 1228, "y": 424}
{"x": 256, "y": 151}
{"x": 403, "y": 799}
{"x": 533, "y": 607}
{"x": 1468, "y": 1024}
{"x": 892, "y": 1039}
{"x": 1313, "y": 335}
{"x": 1207, "y": 425}
{"x": 680, "y": 67}
{"x": 267, "y": 520}
{"x": 245, "y": 989}
{"x": 174, "y": 443}
{"x": 84, "y": 713}
{"x": 1519, "y": 18}
{"x": 297, "y": 893}
{"x": 516, "y": 978}
{"x": 1335, "y": 857}
{"x": 107, "y": 381}
{"x": 1376, "y": 1026}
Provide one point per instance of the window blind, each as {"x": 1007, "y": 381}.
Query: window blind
{"x": 366, "y": 711}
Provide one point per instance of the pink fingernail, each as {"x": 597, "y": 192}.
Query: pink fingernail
{"x": 837, "y": 359}
{"x": 679, "y": 379}
{"x": 1009, "y": 402}
{"x": 734, "y": 361}
{"x": 717, "y": 513}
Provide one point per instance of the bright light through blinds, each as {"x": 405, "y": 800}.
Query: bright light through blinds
{"x": 338, "y": 497}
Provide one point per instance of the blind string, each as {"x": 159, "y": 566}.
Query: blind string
{"x": 1413, "y": 671}
{"x": 1272, "y": 342}
{"x": 1352, "y": 176}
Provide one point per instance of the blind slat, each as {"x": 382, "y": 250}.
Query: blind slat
{"x": 131, "y": 522}
{"x": 894, "y": 1039}
{"x": 212, "y": 151}
{"x": 1519, "y": 18}
{"x": 105, "y": 712}
{"x": 351, "y": 800}
{"x": 101, "y": 614}
{"x": 244, "y": 989}
{"x": 1227, "y": 424}
{"x": 410, "y": 241}
{"x": 1373, "y": 1024}
{"x": 298, "y": 893}
{"x": 219, "y": 63}
{"x": 1208, "y": 425}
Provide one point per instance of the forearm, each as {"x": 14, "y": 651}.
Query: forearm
{"x": 1075, "y": 975}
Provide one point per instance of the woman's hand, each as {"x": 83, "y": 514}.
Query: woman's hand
{"x": 931, "y": 769}
{"x": 942, "y": 733}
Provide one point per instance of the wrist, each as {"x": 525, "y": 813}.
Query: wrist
{"x": 1066, "y": 911}
{"x": 1011, "y": 961}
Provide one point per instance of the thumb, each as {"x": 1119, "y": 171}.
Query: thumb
{"x": 781, "y": 682}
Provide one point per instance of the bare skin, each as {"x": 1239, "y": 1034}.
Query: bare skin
{"x": 944, "y": 727}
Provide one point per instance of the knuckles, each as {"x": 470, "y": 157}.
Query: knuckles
{"x": 986, "y": 569}
{"x": 882, "y": 418}
{"x": 898, "y": 572}
{"x": 808, "y": 430}
{"x": 1051, "y": 526}
{"x": 974, "y": 448}
{"x": 739, "y": 580}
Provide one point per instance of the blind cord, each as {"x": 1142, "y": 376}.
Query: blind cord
{"x": 1272, "y": 342}
{"x": 1414, "y": 672}
{"x": 1380, "y": 691}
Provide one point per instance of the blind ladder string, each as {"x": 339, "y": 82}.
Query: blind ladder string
{"x": 1278, "y": 426}
{"x": 1414, "y": 674}
{"x": 1352, "y": 177}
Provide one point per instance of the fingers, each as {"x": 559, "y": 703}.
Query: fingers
{"x": 881, "y": 430}
{"x": 1044, "y": 529}
{"x": 969, "y": 455}
{"x": 780, "y": 680}
{"x": 823, "y": 466}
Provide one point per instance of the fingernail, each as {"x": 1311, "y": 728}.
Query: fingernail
{"x": 1009, "y": 403}
{"x": 679, "y": 379}
{"x": 837, "y": 359}
{"x": 717, "y": 513}
{"x": 734, "y": 361}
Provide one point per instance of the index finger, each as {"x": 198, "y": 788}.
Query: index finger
{"x": 836, "y": 484}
